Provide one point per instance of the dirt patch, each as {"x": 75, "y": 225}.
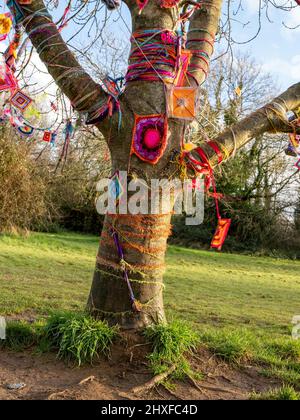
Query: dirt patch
{"x": 48, "y": 378}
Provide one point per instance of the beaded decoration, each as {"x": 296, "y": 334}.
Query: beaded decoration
{"x": 149, "y": 139}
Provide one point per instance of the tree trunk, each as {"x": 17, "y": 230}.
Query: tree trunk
{"x": 143, "y": 240}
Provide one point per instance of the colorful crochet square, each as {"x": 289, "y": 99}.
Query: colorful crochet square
{"x": 20, "y": 100}
{"x": 47, "y": 136}
{"x": 221, "y": 234}
{"x": 149, "y": 140}
{"x": 25, "y": 130}
{"x": 182, "y": 102}
{"x": 7, "y": 80}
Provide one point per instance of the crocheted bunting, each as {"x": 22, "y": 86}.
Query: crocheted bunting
{"x": 221, "y": 234}
{"x": 47, "y": 136}
{"x": 7, "y": 80}
{"x": 20, "y": 100}
{"x": 182, "y": 102}
{"x": 149, "y": 140}
{"x": 25, "y": 130}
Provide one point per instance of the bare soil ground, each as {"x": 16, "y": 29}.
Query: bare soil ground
{"x": 110, "y": 379}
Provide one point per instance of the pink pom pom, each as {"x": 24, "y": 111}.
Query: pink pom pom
{"x": 152, "y": 138}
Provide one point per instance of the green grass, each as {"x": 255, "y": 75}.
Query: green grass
{"x": 21, "y": 335}
{"x": 242, "y": 305}
{"x": 286, "y": 393}
{"x": 170, "y": 344}
{"x": 77, "y": 337}
{"x": 73, "y": 336}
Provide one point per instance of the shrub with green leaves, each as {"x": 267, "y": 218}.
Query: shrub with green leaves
{"x": 170, "y": 343}
{"x": 78, "y": 337}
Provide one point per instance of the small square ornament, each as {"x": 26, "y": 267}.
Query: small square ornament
{"x": 221, "y": 234}
{"x": 47, "y": 136}
{"x": 182, "y": 102}
{"x": 20, "y": 100}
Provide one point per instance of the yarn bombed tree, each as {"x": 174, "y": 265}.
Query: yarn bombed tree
{"x": 166, "y": 64}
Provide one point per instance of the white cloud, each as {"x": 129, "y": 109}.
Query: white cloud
{"x": 286, "y": 70}
{"x": 252, "y": 6}
{"x": 292, "y": 19}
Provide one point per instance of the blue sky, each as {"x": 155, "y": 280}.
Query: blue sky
{"x": 276, "y": 48}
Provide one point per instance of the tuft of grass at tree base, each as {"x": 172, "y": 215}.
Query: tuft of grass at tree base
{"x": 73, "y": 336}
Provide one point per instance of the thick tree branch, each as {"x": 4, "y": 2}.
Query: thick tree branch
{"x": 84, "y": 93}
{"x": 270, "y": 118}
{"x": 202, "y": 31}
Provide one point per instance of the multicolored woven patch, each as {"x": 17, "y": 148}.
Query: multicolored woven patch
{"x": 25, "y": 130}
{"x": 20, "y": 100}
{"x": 47, "y": 136}
{"x": 182, "y": 102}
{"x": 149, "y": 140}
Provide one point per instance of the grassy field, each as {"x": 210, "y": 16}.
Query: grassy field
{"x": 243, "y": 304}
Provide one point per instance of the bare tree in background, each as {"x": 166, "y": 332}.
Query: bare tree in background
{"x": 144, "y": 238}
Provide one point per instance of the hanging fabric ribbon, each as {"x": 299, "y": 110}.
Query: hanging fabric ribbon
{"x": 134, "y": 303}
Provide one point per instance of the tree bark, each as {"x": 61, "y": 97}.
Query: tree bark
{"x": 143, "y": 239}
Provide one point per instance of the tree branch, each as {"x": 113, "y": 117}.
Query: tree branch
{"x": 84, "y": 93}
{"x": 202, "y": 31}
{"x": 270, "y": 118}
